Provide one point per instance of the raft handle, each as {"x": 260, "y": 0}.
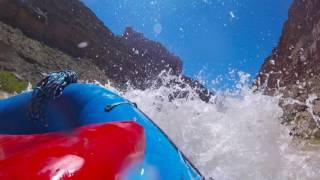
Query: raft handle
{"x": 109, "y": 107}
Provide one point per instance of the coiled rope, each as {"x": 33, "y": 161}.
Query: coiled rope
{"x": 49, "y": 89}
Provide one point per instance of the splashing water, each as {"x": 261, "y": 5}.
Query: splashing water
{"x": 236, "y": 136}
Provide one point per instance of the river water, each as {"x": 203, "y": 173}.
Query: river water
{"x": 237, "y": 136}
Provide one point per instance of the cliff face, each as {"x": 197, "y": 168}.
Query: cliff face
{"x": 293, "y": 69}
{"x": 29, "y": 58}
{"x": 72, "y": 28}
{"x": 152, "y": 53}
{"x": 60, "y": 34}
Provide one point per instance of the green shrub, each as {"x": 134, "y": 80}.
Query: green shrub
{"x": 10, "y": 83}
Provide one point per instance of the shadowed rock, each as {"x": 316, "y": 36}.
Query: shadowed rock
{"x": 293, "y": 68}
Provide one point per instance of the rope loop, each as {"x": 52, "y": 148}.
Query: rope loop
{"x": 48, "y": 89}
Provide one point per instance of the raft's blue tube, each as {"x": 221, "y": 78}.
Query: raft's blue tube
{"x": 82, "y": 104}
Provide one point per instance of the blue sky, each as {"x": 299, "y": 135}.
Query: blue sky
{"x": 210, "y": 35}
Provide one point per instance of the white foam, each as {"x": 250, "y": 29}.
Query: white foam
{"x": 236, "y": 136}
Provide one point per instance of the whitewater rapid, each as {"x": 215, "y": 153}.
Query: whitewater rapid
{"x": 237, "y": 136}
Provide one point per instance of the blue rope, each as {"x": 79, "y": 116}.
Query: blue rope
{"x": 49, "y": 89}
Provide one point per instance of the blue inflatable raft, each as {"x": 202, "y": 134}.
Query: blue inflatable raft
{"x": 83, "y": 104}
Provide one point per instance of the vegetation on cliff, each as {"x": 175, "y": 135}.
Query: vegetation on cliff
{"x": 10, "y": 83}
